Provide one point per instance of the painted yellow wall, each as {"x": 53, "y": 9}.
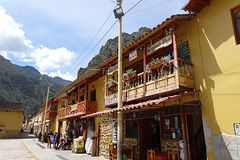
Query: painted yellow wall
{"x": 99, "y": 86}
{"x": 10, "y": 121}
{"x": 216, "y": 59}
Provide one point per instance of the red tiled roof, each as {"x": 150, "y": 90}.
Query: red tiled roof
{"x": 141, "y": 104}
{"x": 174, "y": 19}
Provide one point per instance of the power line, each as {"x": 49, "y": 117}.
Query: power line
{"x": 99, "y": 40}
{"x": 87, "y": 45}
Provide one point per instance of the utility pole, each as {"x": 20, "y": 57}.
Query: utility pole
{"x": 120, "y": 103}
{"x": 45, "y": 112}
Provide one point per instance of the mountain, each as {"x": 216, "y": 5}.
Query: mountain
{"x": 60, "y": 81}
{"x": 111, "y": 47}
{"x": 25, "y": 85}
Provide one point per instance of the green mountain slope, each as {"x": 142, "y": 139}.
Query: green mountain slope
{"x": 25, "y": 85}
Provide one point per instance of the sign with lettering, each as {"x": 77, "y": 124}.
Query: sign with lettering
{"x": 133, "y": 55}
{"x": 112, "y": 69}
{"x": 113, "y": 99}
{"x": 74, "y": 107}
{"x": 166, "y": 41}
{"x": 183, "y": 51}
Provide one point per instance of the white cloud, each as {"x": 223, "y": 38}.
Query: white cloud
{"x": 50, "y": 59}
{"x": 4, "y": 54}
{"x": 13, "y": 40}
{"x": 66, "y": 76}
{"x": 27, "y": 60}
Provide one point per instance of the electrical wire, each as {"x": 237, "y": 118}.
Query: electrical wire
{"x": 88, "y": 44}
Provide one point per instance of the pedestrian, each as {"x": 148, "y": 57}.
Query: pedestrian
{"x": 49, "y": 138}
{"x": 56, "y": 140}
{"x": 40, "y": 136}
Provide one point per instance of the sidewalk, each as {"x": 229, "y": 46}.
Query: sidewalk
{"x": 41, "y": 152}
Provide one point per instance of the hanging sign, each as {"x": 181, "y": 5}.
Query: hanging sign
{"x": 114, "y": 135}
{"x": 113, "y": 99}
{"x": 133, "y": 55}
{"x": 112, "y": 69}
{"x": 166, "y": 41}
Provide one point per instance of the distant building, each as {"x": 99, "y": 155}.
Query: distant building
{"x": 11, "y": 115}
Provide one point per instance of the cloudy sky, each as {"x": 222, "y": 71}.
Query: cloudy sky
{"x": 58, "y": 37}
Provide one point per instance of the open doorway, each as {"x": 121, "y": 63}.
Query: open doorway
{"x": 195, "y": 136}
{"x": 149, "y": 136}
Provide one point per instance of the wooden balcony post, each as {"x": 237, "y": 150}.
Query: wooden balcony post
{"x": 105, "y": 85}
{"x": 144, "y": 69}
{"x": 85, "y": 94}
{"x": 175, "y": 56}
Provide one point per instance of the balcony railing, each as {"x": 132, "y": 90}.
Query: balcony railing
{"x": 81, "y": 108}
{"x": 61, "y": 113}
{"x": 167, "y": 78}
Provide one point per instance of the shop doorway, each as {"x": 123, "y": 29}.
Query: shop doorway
{"x": 60, "y": 127}
{"x": 195, "y": 136}
{"x": 149, "y": 136}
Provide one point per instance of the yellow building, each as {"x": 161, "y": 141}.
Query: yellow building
{"x": 215, "y": 52}
{"x": 11, "y": 119}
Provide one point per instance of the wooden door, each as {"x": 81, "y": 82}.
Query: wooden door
{"x": 144, "y": 137}
{"x": 195, "y": 136}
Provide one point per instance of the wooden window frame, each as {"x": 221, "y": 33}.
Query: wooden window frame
{"x": 234, "y": 12}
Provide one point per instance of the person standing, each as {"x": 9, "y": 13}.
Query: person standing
{"x": 56, "y": 140}
{"x": 49, "y": 138}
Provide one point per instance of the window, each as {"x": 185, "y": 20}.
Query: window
{"x": 236, "y": 22}
{"x": 171, "y": 127}
{"x": 131, "y": 128}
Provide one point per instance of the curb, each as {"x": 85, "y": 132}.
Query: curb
{"x": 34, "y": 154}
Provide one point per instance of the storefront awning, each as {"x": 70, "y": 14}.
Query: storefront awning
{"x": 39, "y": 124}
{"x": 141, "y": 104}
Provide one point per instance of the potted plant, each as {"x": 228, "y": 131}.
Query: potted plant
{"x": 111, "y": 83}
{"x": 156, "y": 63}
{"x": 128, "y": 75}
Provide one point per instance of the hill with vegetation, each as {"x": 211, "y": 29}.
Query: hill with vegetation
{"x": 111, "y": 47}
{"x": 24, "y": 85}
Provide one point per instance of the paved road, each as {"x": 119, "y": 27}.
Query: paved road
{"x": 27, "y": 147}
{"x": 14, "y": 149}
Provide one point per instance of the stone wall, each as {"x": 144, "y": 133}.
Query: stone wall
{"x": 105, "y": 127}
{"x": 226, "y": 147}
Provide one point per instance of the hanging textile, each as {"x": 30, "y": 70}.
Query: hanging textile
{"x": 88, "y": 145}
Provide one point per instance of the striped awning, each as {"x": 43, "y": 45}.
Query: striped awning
{"x": 141, "y": 104}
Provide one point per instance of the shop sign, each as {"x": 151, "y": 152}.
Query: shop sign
{"x": 112, "y": 69}
{"x": 74, "y": 107}
{"x": 157, "y": 117}
{"x": 166, "y": 41}
{"x": 237, "y": 128}
{"x": 133, "y": 55}
{"x": 113, "y": 99}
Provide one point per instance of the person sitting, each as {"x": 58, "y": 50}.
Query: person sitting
{"x": 40, "y": 136}
{"x": 62, "y": 140}
{"x": 68, "y": 142}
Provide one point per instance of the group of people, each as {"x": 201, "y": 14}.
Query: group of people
{"x": 57, "y": 140}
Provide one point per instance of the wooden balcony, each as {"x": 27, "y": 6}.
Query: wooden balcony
{"x": 160, "y": 81}
{"x": 51, "y": 112}
{"x": 81, "y": 108}
{"x": 61, "y": 113}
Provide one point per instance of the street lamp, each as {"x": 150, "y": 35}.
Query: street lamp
{"x": 118, "y": 14}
